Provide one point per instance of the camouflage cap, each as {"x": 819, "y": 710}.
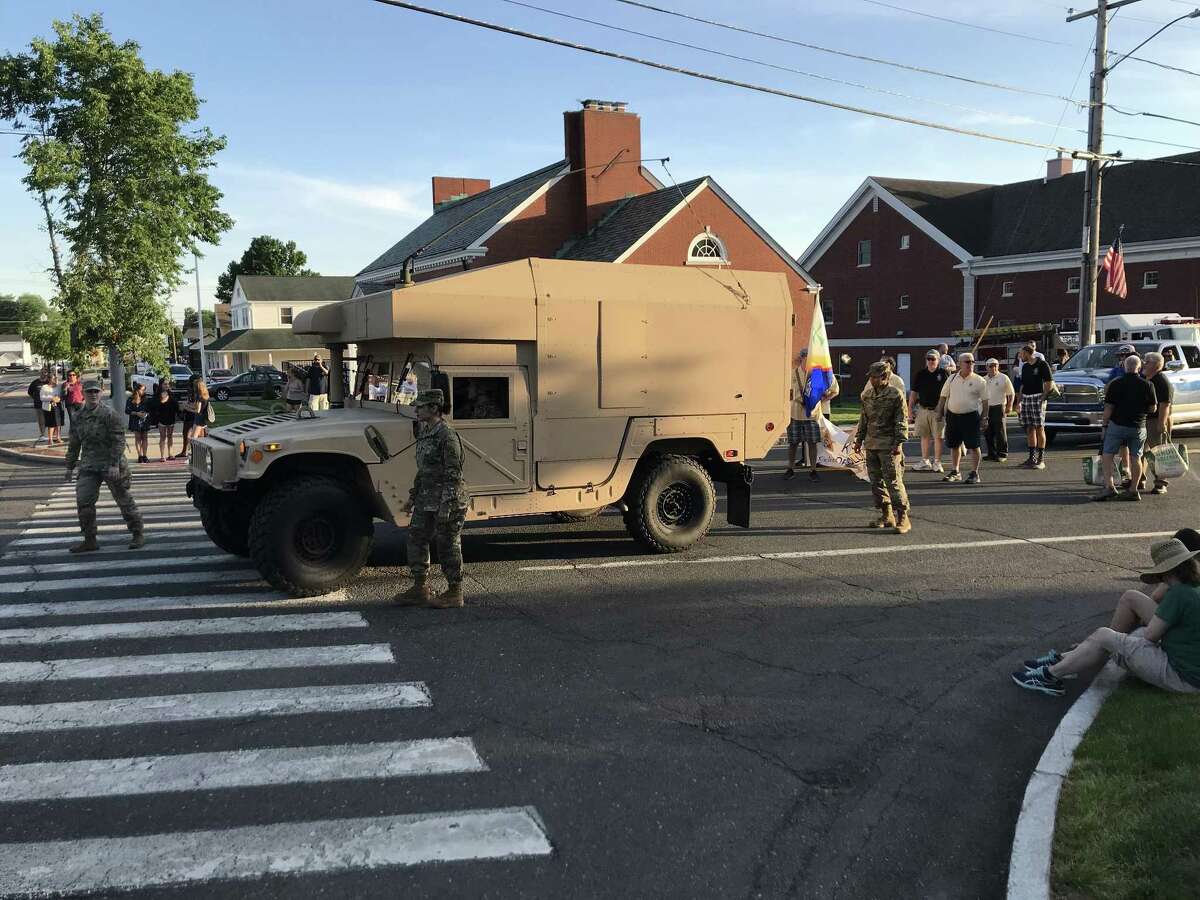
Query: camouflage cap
{"x": 91, "y": 385}
{"x": 431, "y": 397}
{"x": 879, "y": 369}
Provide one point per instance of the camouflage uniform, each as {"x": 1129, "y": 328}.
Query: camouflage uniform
{"x": 882, "y": 429}
{"x": 439, "y": 502}
{"x": 97, "y": 445}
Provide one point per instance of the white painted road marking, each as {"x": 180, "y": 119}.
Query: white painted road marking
{"x": 851, "y": 551}
{"x": 233, "y": 573}
{"x": 58, "y": 634}
{"x": 288, "y": 848}
{"x": 190, "y": 663}
{"x": 130, "y": 561}
{"x": 149, "y": 551}
{"x": 189, "y": 523}
{"x": 236, "y": 769}
{"x": 210, "y": 706}
{"x": 69, "y": 536}
{"x": 141, "y": 604}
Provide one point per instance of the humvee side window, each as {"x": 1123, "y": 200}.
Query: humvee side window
{"x": 477, "y": 397}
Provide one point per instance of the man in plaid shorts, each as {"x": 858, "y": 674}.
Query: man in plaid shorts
{"x": 1035, "y": 379}
{"x": 803, "y": 428}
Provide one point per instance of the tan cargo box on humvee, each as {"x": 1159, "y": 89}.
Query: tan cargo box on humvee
{"x": 574, "y": 386}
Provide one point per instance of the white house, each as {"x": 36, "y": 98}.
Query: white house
{"x": 14, "y": 349}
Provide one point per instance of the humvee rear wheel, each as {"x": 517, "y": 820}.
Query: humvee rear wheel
{"x": 577, "y": 515}
{"x": 672, "y": 506}
{"x": 226, "y": 526}
{"x": 310, "y": 536}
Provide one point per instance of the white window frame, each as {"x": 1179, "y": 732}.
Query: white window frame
{"x": 1146, "y": 284}
{"x": 693, "y": 260}
{"x": 904, "y": 301}
{"x": 827, "y": 312}
{"x": 861, "y": 245}
{"x": 858, "y": 310}
{"x": 1007, "y": 288}
{"x": 291, "y": 315}
{"x": 905, "y": 241}
{"x": 1073, "y": 282}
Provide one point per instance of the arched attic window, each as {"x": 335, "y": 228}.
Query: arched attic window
{"x": 706, "y": 249}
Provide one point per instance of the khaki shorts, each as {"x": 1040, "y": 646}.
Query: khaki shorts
{"x": 1148, "y": 662}
{"x": 927, "y": 423}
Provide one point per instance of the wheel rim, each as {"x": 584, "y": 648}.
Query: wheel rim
{"x": 316, "y": 539}
{"x": 677, "y": 505}
{"x": 222, "y": 395}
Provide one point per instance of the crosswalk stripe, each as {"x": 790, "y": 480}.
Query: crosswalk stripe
{"x": 156, "y": 538}
{"x": 130, "y": 561}
{"x": 168, "y": 628}
{"x": 190, "y": 663}
{"x": 65, "y": 528}
{"x": 286, "y": 848}
{"x": 50, "y": 516}
{"x": 210, "y": 706}
{"x": 230, "y": 573}
{"x": 18, "y": 552}
{"x": 146, "y": 604}
{"x": 236, "y": 769}
{"x": 153, "y": 500}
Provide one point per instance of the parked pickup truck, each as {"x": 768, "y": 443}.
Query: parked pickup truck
{"x": 1082, "y": 380}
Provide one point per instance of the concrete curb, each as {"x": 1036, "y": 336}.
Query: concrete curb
{"x": 38, "y": 458}
{"x": 1033, "y": 841}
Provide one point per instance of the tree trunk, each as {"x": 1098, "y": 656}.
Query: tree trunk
{"x": 116, "y": 373}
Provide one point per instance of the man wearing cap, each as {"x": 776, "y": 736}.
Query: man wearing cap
{"x": 1128, "y": 400}
{"x": 965, "y": 396}
{"x": 438, "y": 504}
{"x": 1123, "y": 353}
{"x": 1000, "y": 396}
{"x": 882, "y": 429}
{"x": 97, "y": 445}
{"x": 922, "y": 401}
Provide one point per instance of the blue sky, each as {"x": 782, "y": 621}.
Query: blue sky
{"x": 339, "y": 111}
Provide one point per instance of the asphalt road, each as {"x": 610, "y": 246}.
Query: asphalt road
{"x": 804, "y": 709}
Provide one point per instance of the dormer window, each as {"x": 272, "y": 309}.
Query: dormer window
{"x": 707, "y": 249}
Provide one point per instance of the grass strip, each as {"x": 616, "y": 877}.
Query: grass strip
{"x": 1129, "y": 814}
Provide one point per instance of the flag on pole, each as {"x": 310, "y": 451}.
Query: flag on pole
{"x": 819, "y": 364}
{"x": 1114, "y": 267}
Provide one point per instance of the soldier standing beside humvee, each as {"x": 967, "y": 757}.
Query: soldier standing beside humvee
{"x": 883, "y": 428}
{"x": 98, "y": 446}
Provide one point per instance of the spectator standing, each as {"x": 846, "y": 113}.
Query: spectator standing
{"x": 379, "y": 387}
{"x": 922, "y": 401}
{"x": 1064, "y": 356}
{"x": 1123, "y": 353}
{"x": 73, "y": 396}
{"x": 966, "y": 403}
{"x": 1128, "y": 400}
{"x": 1000, "y": 395}
{"x": 188, "y": 414}
{"x": 1035, "y": 378}
{"x": 318, "y": 385}
{"x": 164, "y": 411}
{"x": 945, "y": 360}
{"x": 50, "y": 395}
{"x": 35, "y": 394}
{"x": 296, "y": 393}
{"x": 1158, "y": 426}
{"x": 882, "y": 429}
{"x": 803, "y": 428}
{"x": 408, "y": 390}
{"x": 200, "y": 422}
{"x": 137, "y": 408}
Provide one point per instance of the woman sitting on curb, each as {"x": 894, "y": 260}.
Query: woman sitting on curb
{"x": 1157, "y": 638}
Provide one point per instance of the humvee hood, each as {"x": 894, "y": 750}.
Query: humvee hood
{"x": 285, "y": 426}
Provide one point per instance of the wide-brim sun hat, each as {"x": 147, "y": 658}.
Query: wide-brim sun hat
{"x": 1166, "y": 555}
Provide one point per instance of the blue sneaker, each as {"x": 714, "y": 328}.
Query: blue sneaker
{"x": 1039, "y": 680}
{"x": 1050, "y": 658}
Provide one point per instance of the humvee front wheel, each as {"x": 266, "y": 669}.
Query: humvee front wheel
{"x": 310, "y": 536}
{"x": 226, "y": 526}
{"x": 672, "y": 506}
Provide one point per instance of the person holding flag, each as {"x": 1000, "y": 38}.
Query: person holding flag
{"x": 813, "y": 384}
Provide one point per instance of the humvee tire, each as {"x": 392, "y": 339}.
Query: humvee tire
{"x": 672, "y": 506}
{"x": 309, "y": 535}
{"x": 577, "y": 515}
{"x": 225, "y": 527}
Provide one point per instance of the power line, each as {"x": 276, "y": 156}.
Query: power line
{"x": 732, "y": 82}
{"x": 977, "y": 27}
{"x": 1161, "y": 65}
{"x": 966, "y": 79}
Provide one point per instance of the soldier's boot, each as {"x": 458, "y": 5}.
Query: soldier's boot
{"x": 87, "y": 545}
{"x": 903, "y": 522}
{"x": 420, "y": 594}
{"x": 451, "y": 598}
{"x": 137, "y": 540}
{"x": 885, "y": 520}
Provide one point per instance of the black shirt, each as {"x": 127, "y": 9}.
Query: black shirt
{"x": 1131, "y": 396}
{"x": 316, "y": 380}
{"x": 928, "y": 386}
{"x": 1164, "y": 391}
{"x": 1034, "y": 376}
{"x": 35, "y": 392}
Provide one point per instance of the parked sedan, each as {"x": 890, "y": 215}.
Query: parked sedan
{"x": 219, "y": 375}
{"x": 249, "y": 384}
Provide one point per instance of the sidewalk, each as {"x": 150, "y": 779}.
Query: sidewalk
{"x": 19, "y": 441}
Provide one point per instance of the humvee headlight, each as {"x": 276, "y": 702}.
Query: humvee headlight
{"x": 256, "y": 456}
{"x": 272, "y": 447}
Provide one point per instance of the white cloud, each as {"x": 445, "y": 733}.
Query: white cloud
{"x": 400, "y": 198}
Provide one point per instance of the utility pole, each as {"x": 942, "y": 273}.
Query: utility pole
{"x": 199, "y": 317}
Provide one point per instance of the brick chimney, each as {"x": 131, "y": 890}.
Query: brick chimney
{"x": 447, "y": 190}
{"x": 1059, "y": 166}
{"x": 603, "y": 139}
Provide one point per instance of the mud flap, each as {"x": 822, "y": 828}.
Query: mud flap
{"x": 737, "y": 497}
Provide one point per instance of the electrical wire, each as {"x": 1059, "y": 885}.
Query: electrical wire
{"x": 977, "y": 27}
{"x": 732, "y": 82}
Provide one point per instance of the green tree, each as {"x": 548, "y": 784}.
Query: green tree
{"x": 49, "y": 339}
{"x": 265, "y": 256}
{"x": 120, "y": 170}
{"x": 210, "y": 322}
{"x": 17, "y": 311}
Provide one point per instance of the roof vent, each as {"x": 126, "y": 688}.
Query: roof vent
{"x": 606, "y": 105}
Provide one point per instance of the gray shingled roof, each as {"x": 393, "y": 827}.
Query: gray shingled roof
{"x": 1153, "y": 200}
{"x": 631, "y": 218}
{"x": 457, "y": 225}
{"x": 247, "y": 339}
{"x": 300, "y": 288}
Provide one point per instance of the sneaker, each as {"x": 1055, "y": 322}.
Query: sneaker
{"x": 1129, "y": 495}
{"x": 813, "y": 476}
{"x": 953, "y": 475}
{"x": 1039, "y": 680}
{"x": 1159, "y": 490}
{"x": 1001, "y": 459}
{"x": 1051, "y": 658}
{"x": 923, "y": 466}
{"x": 1029, "y": 464}
{"x": 1104, "y": 497}
{"x": 789, "y": 474}
{"x": 937, "y": 467}
{"x": 1038, "y": 465}
{"x": 973, "y": 478}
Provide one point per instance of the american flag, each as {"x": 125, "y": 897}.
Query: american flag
{"x": 1114, "y": 266}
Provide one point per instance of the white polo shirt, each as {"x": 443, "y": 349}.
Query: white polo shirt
{"x": 964, "y": 394}
{"x": 999, "y": 389}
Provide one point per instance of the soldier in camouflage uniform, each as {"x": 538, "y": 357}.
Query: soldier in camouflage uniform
{"x": 883, "y": 428}
{"x": 438, "y": 503}
{"x": 98, "y": 447}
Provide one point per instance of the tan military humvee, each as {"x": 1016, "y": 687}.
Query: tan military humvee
{"x": 574, "y": 386}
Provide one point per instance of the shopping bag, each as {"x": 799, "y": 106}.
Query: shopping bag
{"x": 1168, "y": 462}
{"x": 1093, "y": 470}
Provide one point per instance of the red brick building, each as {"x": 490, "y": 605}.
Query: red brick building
{"x": 904, "y": 264}
{"x": 598, "y": 203}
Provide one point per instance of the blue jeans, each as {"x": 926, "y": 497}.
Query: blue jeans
{"x": 1118, "y": 436}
